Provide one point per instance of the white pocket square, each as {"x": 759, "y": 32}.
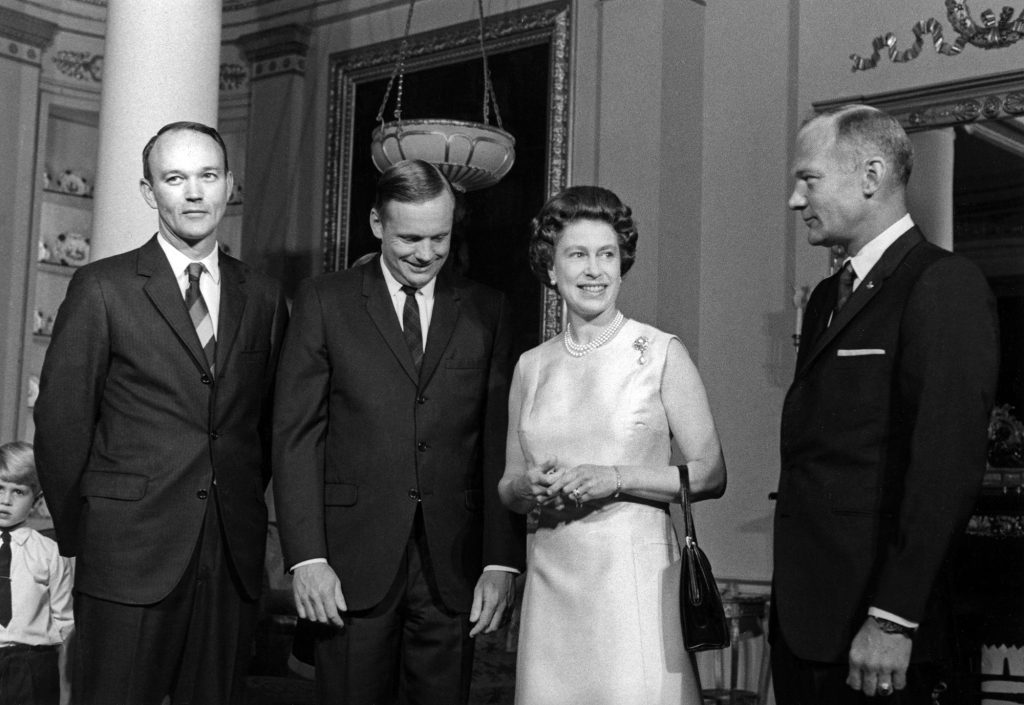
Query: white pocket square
{"x": 859, "y": 352}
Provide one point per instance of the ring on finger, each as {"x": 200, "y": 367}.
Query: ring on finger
{"x": 885, "y": 688}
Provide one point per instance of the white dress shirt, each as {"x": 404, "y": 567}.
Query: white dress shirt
{"x": 41, "y": 581}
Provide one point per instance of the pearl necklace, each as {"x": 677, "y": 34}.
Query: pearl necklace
{"x": 579, "y": 350}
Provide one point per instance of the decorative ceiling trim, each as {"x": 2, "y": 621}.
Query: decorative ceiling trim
{"x": 990, "y": 33}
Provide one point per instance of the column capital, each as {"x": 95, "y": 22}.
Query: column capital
{"x": 23, "y": 37}
{"x": 275, "y": 51}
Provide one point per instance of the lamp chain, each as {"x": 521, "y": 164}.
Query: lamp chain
{"x": 399, "y": 71}
{"x": 489, "y": 96}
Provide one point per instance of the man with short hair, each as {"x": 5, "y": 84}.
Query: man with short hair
{"x": 152, "y": 442}
{"x": 389, "y": 434}
{"x": 884, "y": 430}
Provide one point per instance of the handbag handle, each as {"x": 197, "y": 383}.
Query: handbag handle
{"x": 684, "y": 499}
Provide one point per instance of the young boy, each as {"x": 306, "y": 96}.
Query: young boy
{"x": 35, "y": 588}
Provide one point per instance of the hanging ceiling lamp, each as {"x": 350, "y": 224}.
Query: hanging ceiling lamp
{"x": 472, "y": 155}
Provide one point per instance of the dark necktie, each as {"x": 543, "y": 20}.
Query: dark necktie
{"x": 200, "y": 315}
{"x": 411, "y": 325}
{"x": 845, "y": 287}
{"x": 5, "y": 578}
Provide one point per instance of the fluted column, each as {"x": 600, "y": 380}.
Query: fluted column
{"x": 161, "y": 64}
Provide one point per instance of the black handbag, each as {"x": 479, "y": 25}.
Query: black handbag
{"x": 700, "y": 603}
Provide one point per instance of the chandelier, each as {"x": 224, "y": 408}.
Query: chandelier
{"x": 471, "y": 155}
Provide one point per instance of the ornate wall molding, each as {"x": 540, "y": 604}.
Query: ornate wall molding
{"x": 949, "y": 103}
{"x": 991, "y": 33}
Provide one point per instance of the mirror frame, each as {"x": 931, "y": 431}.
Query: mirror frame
{"x": 547, "y": 23}
{"x": 947, "y": 104}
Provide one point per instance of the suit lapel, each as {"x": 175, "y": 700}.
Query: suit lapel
{"x": 162, "y": 289}
{"x": 382, "y": 312}
{"x": 232, "y": 306}
{"x": 868, "y": 289}
{"x": 442, "y": 324}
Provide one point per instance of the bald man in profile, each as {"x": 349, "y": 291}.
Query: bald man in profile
{"x": 884, "y": 430}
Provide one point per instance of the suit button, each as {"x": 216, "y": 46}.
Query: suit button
{"x": 421, "y": 399}
{"x": 202, "y": 494}
{"x": 205, "y": 378}
{"x": 214, "y": 435}
{"x": 414, "y": 494}
{"x": 421, "y": 446}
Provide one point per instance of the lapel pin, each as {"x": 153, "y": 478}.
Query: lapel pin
{"x": 870, "y": 285}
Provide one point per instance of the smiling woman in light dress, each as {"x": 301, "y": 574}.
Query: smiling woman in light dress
{"x": 592, "y": 415}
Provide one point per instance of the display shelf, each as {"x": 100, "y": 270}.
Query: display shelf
{"x": 67, "y": 141}
{"x": 61, "y": 270}
{"x": 71, "y": 200}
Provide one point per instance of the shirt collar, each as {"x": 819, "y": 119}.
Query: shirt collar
{"x": 869, "y": 255}
{"x": 20, "y": 534}
{"x": 179, "y": 261}
{"x": 395, "y": 287}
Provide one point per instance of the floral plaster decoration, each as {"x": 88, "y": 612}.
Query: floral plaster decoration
{"x": 80, "y": 65}
{"x": 991, "y": 33}
{"x": 232, "y": 76}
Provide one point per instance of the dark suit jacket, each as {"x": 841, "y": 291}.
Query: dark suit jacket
{"x": 883, "y": 448}
{"x": 131, "y": 430}
{"x": 359, "y": 435}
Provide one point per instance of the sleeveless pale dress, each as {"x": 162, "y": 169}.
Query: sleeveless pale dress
{"x": 600, "y": 616}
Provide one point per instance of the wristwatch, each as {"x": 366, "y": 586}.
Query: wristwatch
{"x": 890, "y": 627}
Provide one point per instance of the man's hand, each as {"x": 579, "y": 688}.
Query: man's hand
{"x": 494, "y": 593}
{"x": 878, "y": 661}
{"x": 317, "y": 593}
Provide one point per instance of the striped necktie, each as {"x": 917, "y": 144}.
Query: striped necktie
{"x": 411, "y": 325}
{"x": 200, "y": 315}
{"x": 5, "y": 578}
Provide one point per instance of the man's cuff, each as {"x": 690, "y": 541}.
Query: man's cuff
{"x": 311, "y": 561}
{"x": 503, "y": 568}
{"x": 882, "y": 614}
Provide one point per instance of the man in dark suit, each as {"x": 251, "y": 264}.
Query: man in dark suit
{"x": 883, "y": 429}
{"x": 152, "y": 442}
{"x": 389, "y": 429}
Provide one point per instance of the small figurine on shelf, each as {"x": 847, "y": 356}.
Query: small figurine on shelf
{"x": 1005, "y": 438}
{"x": 70, "y": 249}
{"x": 43, "y": 254}
{"x": 42, "y": 322}
{"x": 47, "y": 180}
{"x": 73, "y": 183}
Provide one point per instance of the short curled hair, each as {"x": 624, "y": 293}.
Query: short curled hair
{"x": 18, "y": 465}
{"x": 573, "y": 204}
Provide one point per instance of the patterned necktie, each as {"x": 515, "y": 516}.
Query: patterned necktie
{"x": 5, "y": 578}
{"x": 200, "y": 315}
{"x": 845, "y": 288}
{"x": 411, "y": 325}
